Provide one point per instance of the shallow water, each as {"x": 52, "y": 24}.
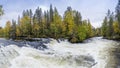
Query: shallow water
{"x": 94, "y": 53}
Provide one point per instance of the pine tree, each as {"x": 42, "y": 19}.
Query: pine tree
{"x": 56, "y": 24}
{"x": 77, "y": 18}
{"x": 69, "y": 21}
{"x": 13, "y": 30}
{"x": 90, "y": 29}
{"x": 104, "y": 27}
{"x": 51, "y": 13}
{"x": 110, "y": 26}
{"x": 118, "y": 12}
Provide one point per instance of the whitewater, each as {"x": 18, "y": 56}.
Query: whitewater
{"x": 93, "y": 53}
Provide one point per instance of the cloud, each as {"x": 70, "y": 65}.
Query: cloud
{"x": 95, "y": 10}
{"x": 44, "y": 8}
{"x": 8, "y": 17}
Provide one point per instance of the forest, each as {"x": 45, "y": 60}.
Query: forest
{"x": 70, "y": 25}
{"x": 49, "y": 24}
{"x": 111, "y": 24}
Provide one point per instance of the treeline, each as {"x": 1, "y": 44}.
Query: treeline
{"x": 49, "y": 24}
{"x": 111, "y": 24}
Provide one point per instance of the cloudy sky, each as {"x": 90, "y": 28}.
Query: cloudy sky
{"x": 95, "y": 10}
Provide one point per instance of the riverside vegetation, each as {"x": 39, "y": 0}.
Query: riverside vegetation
{"x": 49, "y": 24}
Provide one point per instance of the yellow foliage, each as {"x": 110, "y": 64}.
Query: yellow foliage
{"x": 7, "y": 28}
{"x": 116, "y": 27}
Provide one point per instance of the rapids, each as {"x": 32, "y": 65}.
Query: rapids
{"x": 93, "y": 53}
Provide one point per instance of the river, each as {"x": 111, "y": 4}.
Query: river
{"x": 93, "y": 53}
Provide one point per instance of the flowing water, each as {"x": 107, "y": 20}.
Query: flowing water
{"x": 93, "y": 53}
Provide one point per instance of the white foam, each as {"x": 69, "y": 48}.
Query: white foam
{"x": 60, "y": 55}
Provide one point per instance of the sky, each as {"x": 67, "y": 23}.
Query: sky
{"x": 94, "y": 10}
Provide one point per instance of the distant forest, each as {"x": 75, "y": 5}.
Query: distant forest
{"x": 50, "y": 24}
